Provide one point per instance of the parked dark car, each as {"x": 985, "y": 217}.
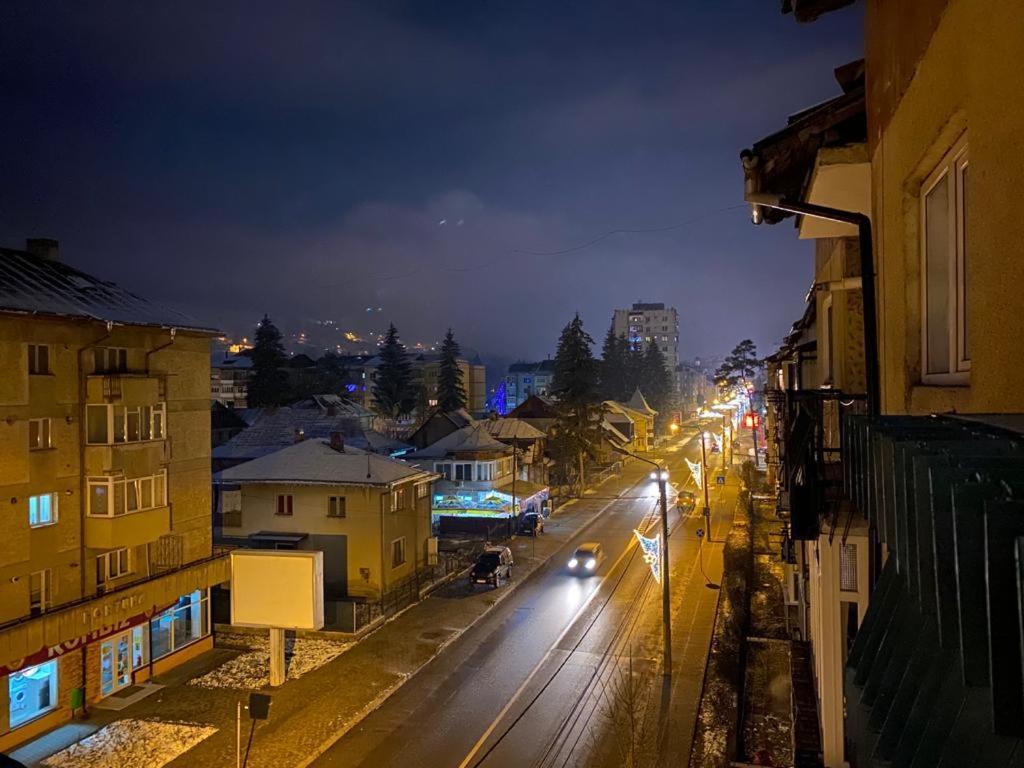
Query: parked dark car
{"x": 531, "y": 524}
{"x": 493, "y": 565}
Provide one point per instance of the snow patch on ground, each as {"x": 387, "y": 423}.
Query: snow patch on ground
{"x": 251, "y": 670}
{"x": 136, "y": 743}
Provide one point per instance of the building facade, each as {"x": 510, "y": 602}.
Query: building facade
{"x": 525, "y": 379}
{"x": 229, "y": 380}
{"x": 930, "y": 671}
{"x": 644, "y": 324}
{"x": 369, "y": 514}
{"x": 106, "y": 556}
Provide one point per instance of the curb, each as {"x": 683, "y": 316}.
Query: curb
{"x": 384, "y": 695}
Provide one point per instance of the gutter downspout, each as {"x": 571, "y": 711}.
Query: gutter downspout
{"x": 758, "y": 200}
{"x": 154, "y": 350}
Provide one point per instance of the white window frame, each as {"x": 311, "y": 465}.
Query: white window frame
{"x": 44, "y": 434}
{"x": 952, "y": 167}
{"x": 124, "y": 487}
{"x": 113, "y": 565}
{"x": 45, "y": 591}
{"x": 52, "y": 520}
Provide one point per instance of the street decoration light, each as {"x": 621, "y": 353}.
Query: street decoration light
{"x": 660, "y": 474}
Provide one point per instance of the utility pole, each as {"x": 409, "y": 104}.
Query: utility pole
{"x": 704, "y": 477}
{"x": 753, "y": 421}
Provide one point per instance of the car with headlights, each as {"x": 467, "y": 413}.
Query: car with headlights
{"x": 686, "y": 501}
{"x": 586, "y": 559}
{"x": 493, "y": 565}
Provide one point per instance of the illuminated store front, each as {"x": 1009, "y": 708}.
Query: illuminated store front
{"x": 32, "y": 692}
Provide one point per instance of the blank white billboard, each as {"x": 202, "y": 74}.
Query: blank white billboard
{"x": 275, "y": 588}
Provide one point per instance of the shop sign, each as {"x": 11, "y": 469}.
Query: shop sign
{"x": 89, "y": 616}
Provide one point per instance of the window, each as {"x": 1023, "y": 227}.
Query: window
{"x": 945, "y": 342}
{"x": 38, "y": 359}
{"x": 463, "y": 471}
{"x": 444, "y": 469}
{"x": 485, "y": 470}
{"x": 284, "y": 504}
{"x": 39, "y": 434}
{"x": 848, "y": 567}
{"x": 398, "y": 552}
{"x": 181, "y": 624}
{"x": 335, "y": 506}
{"x": 110, "y": 360}
{"x": 399, "y": 498}
{"x": 40, "y": 591}
{"x": 32, "y": 692}
{"x": 421, "y": 490}
{"x": 107, "y": 424}
{"x": 42, "y": 509}
{"x": 114, "y": 496}
{"x": 113, "y": 565}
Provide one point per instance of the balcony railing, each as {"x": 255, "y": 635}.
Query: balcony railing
{"x": 935, "y": 675}
{"x": 808, "y": 431}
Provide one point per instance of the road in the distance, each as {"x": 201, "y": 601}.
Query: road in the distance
{"x": 437, "y": 718}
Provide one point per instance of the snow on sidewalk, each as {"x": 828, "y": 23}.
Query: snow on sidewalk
{"x": 136, "y": 743}
{"x": 251, "y": 670}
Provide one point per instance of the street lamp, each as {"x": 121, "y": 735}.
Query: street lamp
{"x": 704, "y": 476}
{"x": 660, "y": 474}
{"x": 753, "y": 419}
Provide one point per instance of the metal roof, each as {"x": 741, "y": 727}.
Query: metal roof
{"x": 40, "y": 286}
{"x": 471, "y": 439}
{"x": 511, "y": 429}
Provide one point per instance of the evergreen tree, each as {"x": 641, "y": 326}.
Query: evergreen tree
{"x": 451, "y": 393}
{"x": 268, "y": 386}
{"x": 575, "y": 385}
{"x": 657, "y": 383}
{"x": 394, "y": 391}
{"x": 635, "y": 372}
{"x": 739, "y": 365}
{"x": 614, "y": 364}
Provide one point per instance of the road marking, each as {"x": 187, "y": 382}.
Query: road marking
{"x": 544, "y": 659}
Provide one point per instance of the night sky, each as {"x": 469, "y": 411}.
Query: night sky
{"x": 310, "y": 160}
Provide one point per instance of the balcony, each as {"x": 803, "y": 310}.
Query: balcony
{"x": 130, "y": 459}
{"x": 127, "y": 530}
{"x": 808, "y": 431}
{"x": 123, "y": 388}
{"x": 934, "y": 676}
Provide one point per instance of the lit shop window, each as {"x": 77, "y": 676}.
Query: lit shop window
{"x": 182, "y": 624}
{"x": 32, "y": 692}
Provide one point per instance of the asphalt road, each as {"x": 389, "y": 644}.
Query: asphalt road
{"x": 524, "y": 685}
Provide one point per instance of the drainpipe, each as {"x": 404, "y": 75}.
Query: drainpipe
{"x": 760, "y": 200}
{"x": 154, "y": 350}
{"x": 83, "y": 425}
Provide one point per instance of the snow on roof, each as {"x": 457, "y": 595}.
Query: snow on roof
{"x": 224, "y": 360}
{"x": 40, "y": 286}
{"x": 273, "y": 429}
{"x": 639, "y": 403}
{"x": 471, "y": 439}
{"x": 511, "y": 429}
{"x": 315, "y": 462}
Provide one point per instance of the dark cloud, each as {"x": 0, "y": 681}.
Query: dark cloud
{"x": 299, "y": 158}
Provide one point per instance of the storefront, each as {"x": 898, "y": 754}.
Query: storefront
{"x": 490, "y": 512}
{"x": 112, "y": 643}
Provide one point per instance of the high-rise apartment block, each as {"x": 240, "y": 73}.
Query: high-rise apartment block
{"x": 645, "y": 324}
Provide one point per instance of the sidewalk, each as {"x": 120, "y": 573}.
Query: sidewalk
{"x": 309, "y": 714}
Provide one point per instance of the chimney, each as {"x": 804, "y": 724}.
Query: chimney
{"x": 337, "y": 442}
{"x": 43, "y": 248}
{"x": 299, "y": 435}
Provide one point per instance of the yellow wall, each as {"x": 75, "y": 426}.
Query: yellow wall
{"x": 967, "y": 79}
{"x": 182, "y": 370}
{"x": 361, "y": 525}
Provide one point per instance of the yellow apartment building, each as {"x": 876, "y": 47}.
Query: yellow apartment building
{"x": 106, "y": 552}
{"x": 369, "y": 514}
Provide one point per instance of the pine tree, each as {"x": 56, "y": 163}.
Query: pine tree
{"x": 451, "y": 393}
{"x": 613, "y": 367}
{"x": 268, "y": 386}
{"x": 657, "y": 381}
{"x": 575, "y": 386}
{"x": 739, "y": 365}
{"x": 394, "y": 390}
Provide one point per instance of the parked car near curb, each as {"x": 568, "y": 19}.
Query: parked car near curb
{"x": 531, "y": 524}
{"x": 493, "y": 565}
